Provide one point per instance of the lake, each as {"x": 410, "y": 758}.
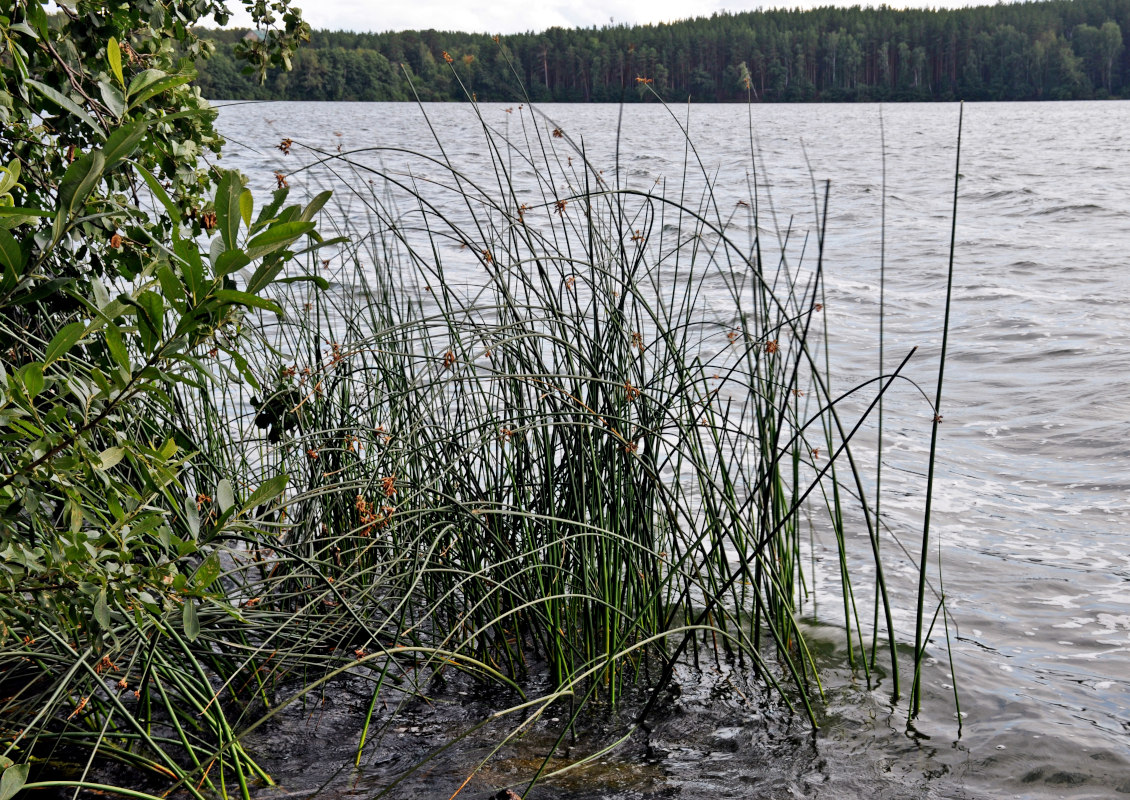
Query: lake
{"x": 1032, "y": 493}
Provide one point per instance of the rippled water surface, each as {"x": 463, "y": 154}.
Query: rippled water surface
{"x": 1031, "y": 510}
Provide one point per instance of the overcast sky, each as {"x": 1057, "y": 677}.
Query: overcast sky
{"x": 516, "y": 16}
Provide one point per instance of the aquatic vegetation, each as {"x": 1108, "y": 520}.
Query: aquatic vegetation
{"x": 547, "y": 430}
{"x": 579, "y": 433}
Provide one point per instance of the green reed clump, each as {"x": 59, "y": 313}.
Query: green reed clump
{"x": 548, "y": 428}
{"x": 538, "y": 424}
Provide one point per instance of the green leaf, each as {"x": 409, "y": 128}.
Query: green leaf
{"x": 227, "y": 208}
{"x": 117, "y": 347}
{"x": 225, "y": 497}
{"x": 151, "y": 319}
{"x": 13, "y": 780}
{"x": 197, "y": 321}
{"x": 41, "y": 290}
{"x": 27, "y": 427}
{"x": 158, "y": 192}
{"x": 197, "y": 365}
{"x": 38, "y": 17}
{"x": 230, "y": 261}
{"x": 101, "y": 296}
{"x": 246, "y": 206}
{"x": 171, "y": 286}
{"x": 246, "y": 299}
{"x": 216, "y": 248}
{"x": 265, "y": 273}
{"x": 144, "y": 79}
{"x": 110, "y": 457}
{"x": 317, "y": 280}
{"x": 113, "y": 98}
{"x": 25, "y": 29}
{"x": 32, "y": 376}
{"x": 193, "y": 269}
{"x": 21, "y": 70}
{"x": 79, "y": 180}
{"x": 188, "y": 381}
{"x": 267, "y": 212}
{"x": 191, "y": 620}
{"x": 124, "y": 141}
{"x": 102, "y": 611}
{"x": 276, "y": 237}
{"x": 270, "y": 489}
{"x": 63, "y": 341}
{"x": 192, "y": 516}
{"x": 99, "y": 378}
{"x": 114, "y": 56}
{"x": 18, "y": 211}
{"x": 207, "y": 572}
{"x": 315, "y": 205}
{"x": 244, "y": 370}
{"x": 66, "y": 103}
{"x": 11, "y": 256}
{"x": 9, "y": 177}
{"x": 319, "y": 244}
{"x": 155, "y": 88}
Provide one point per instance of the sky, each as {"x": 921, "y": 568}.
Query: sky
{"x": 516, "y": 16}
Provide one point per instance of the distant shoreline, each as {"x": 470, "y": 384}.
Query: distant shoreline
{"x": 1051, "y": 50}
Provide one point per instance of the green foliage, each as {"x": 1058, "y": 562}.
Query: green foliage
{"x": 111, "y": 295}
{"x": 1016, "y": 51}
{"x": 578, "y": 470}
{"x": 548, "y": 473}
{"x": 12, "y": 779}
{"x": 114, "y": 78}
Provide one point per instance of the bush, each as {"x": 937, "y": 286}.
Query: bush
{"x": 110, "y": 297}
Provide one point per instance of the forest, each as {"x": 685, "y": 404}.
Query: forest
{"x": 1055, "y": 50}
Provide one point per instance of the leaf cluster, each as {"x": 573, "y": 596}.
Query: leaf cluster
{"x": 129, "y": 266}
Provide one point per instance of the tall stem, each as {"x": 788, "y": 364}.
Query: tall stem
{"x": 919, "y": 645}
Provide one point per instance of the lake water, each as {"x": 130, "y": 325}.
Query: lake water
{"x": 1032, "y": 505}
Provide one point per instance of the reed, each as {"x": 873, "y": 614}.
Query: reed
{"x": 599, "y": 455}
{"x": 608, "y": 439}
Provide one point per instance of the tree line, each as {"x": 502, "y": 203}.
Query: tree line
{"x": 1052, "y": 50}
